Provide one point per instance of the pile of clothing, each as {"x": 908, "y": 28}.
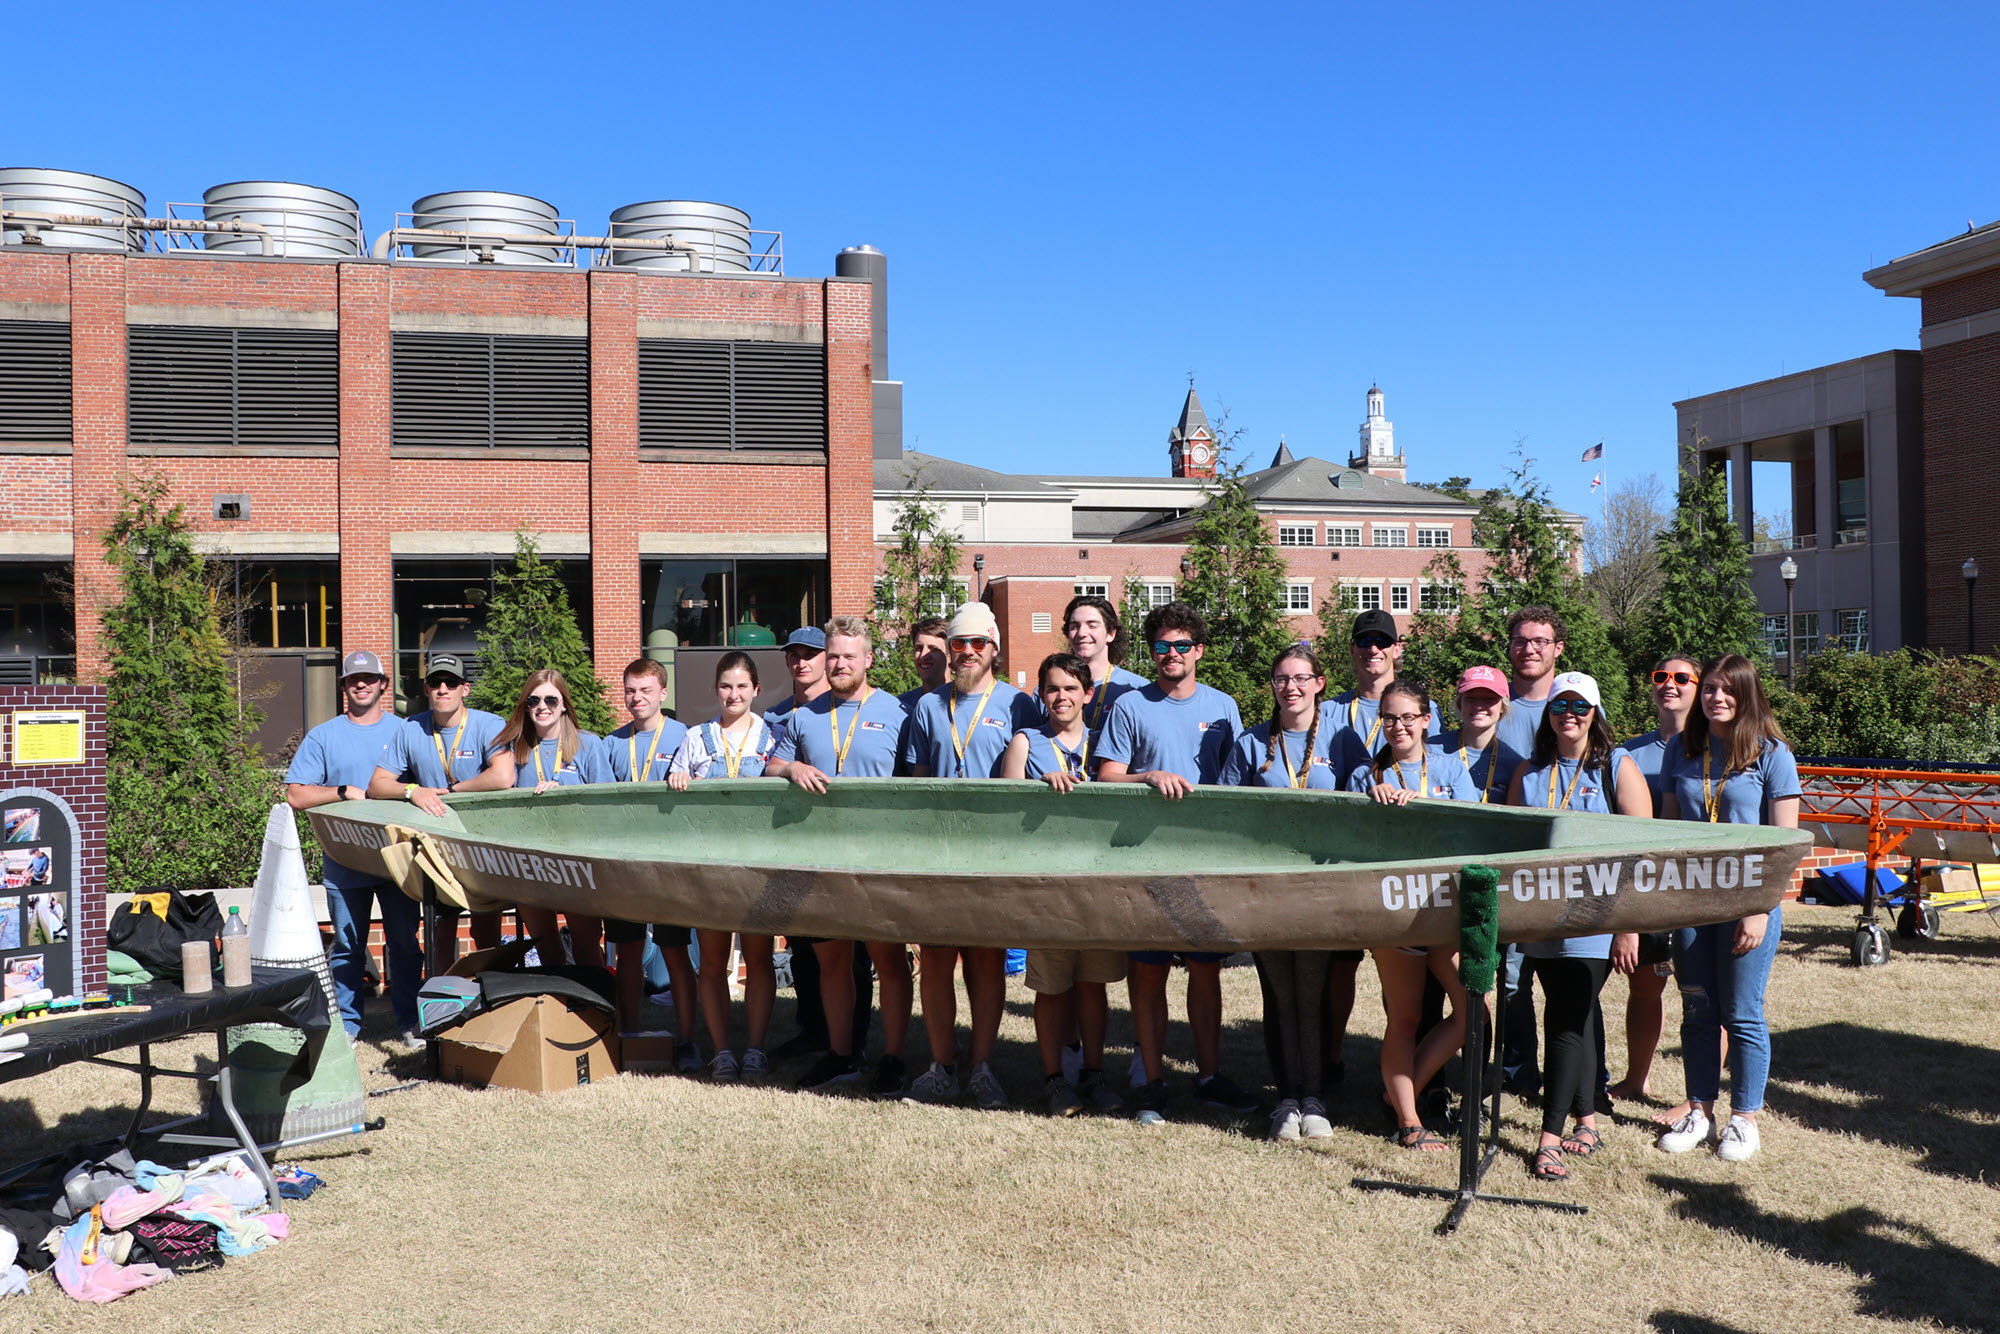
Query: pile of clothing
{"x": 119, "y": 1224}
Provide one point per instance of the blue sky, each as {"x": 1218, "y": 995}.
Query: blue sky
{"x": 1547, "y": 222}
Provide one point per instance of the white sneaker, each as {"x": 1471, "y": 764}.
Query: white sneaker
{"x": 1072, "y": 1064}
{"x": 1285, "y": 1121}
{"x": 1739, "y": 1140}
{"x": 1138, "y": 1073}
{"x": 1690, "y": 1132}
{"x": 1312, "y": 1120}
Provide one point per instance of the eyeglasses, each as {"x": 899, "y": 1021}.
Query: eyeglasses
{"x": 1373, "y": 641}
{"x": 1543, "y": 644}
{"x": 1581, "y": 708}
{"x": 442, "y": 683}
{"x": 1300, "y": 681}
{"x": 545, "y": 701}
{"x": 1678, "y": 678}
{"x": 1163, "y": 647}
{"x": 967, "y": 643}
{"x": 1403, "y": 720}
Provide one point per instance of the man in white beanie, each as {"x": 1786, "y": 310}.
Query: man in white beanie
{"x": 961, "y": 730}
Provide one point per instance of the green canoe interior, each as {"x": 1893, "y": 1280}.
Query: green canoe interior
{"x": 1025, "y": 828}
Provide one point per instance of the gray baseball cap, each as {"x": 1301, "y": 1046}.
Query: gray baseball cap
{"x": 361, "y": 663}
{"x": 446, "y": 664}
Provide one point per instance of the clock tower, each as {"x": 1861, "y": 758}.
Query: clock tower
{"x": 1191, "y": 445}
{"x": 1377, "y": 455}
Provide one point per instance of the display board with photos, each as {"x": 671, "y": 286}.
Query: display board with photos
{"x": 37, "y": 895}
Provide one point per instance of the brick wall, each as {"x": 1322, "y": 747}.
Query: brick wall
{"x": 1961, "y": 481}
{"x": 81, "y": 788}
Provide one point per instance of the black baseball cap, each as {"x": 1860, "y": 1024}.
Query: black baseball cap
{"x": 1375, "y": 621}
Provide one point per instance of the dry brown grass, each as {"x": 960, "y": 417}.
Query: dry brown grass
{"x": 643, "y": 1199}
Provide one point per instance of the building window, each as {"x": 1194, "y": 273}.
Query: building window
{"x": 885, "y": 596}
{"x": 1295, "y": 535}
{"x": 715, "y": 394}
{"x": 1433, "y": 537}
{"x": 1093, "y": 590}
{"x": 720, "y": 601}
{"x": 1805, "y": 629}
{"x": 486, "y": 390}
{"x": 245, "y": 388}
{"x": 1853, "y": 634}
{"x": 1159, "y": 594}
{"x": 1399, "y": 597}
{"x": 1339, "y": 535}
{"x": 1441, "y": 598}
{"x": 1850, "y": 485}
{"x": 1386, "y": 536}
{"x": 960, "y": 594}
{"x": 1361, "y": 597}
{"x": 1298, "y": 595}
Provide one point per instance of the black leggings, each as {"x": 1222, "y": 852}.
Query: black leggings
{"x": 1569, "y": 1016}
{"x": 1297, "y": 981}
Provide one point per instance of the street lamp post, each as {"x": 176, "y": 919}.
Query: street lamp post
{"x": 1971, "y": 572}
{"x": 1789, "y": 572}
{"x": 979, "y": 568}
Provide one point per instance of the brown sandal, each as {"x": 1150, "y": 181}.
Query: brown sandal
{"x": 1548, "y": 1165}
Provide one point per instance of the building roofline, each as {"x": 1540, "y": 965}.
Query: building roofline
{"x": 1796, "y": 376}
{"x": 1960, "y": 257}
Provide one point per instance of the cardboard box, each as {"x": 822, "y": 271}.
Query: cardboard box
{"x": 646, "y": 1053}
{"x": 537, "y": 1043}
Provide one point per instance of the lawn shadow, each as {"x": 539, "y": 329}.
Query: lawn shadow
{"x": 1681, "y": 1322}
{"x": 1905, "y": 1271}
{"x": 1920, "y": 1093}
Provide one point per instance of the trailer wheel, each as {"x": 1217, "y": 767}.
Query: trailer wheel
{"x": 1871, "y": 945}
{"x": 1933, "y": 922}
{"x": 1909, "y": 921}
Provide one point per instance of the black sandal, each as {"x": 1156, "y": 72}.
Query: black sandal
{"x": 1548, "y": 1165}
{"x": 1420, "y": 1138}
{"x": 1583, "y": 1142}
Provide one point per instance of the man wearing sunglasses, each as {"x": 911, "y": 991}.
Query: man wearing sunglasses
{"x": 1534, "y": 647}
{"x": 446, "y": 748}
{"x": 1353, "y": 718}
{"x": 961, "y": 730}
{"x": 337, "y": 761}
{"x": 1172, "y": 735}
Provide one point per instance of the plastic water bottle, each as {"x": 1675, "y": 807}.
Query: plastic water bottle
{"x": 235, "y": 950}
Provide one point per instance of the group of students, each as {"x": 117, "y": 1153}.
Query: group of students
{"x": 1533, "y": 736}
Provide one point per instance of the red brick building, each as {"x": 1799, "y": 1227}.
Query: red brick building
{"x": 360, "y": 438}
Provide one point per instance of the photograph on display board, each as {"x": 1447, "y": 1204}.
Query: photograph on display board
{"x": 10, "y": 924}
{"x": 24, "y": 975}
{"x": 24, "y": 867}
{"x": 48, "y": 919}
{"x": 23, "y": 824}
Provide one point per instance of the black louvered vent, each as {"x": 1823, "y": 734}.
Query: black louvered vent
{"x": 696, "y": 394}
{"x": 250, "y": 388}
{"x": 484, "y": 390}
{"x": 34, "y": 381}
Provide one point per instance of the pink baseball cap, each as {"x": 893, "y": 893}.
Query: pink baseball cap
{"x": 1483, "y": 678}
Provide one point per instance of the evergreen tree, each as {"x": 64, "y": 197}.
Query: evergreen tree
{"x": 919, "y": 579}
{"x": 1237, "y": 582}
{"x": 182, "y": 781}
{"x": 1705, "y": 605}
{"x": 531, "y": 627}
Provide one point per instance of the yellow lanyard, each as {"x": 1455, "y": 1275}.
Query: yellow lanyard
{"x": 540, "y": 777}
{"x": 1711, "y": 798}
{"x": 1294, "y": 777}
{"x": 1354, "y": 721}
{"x": 1423, "y": 775}
{"x": 1100, "y": 699}
{"x": 1492, "y": 767}
{"x": 437, "y": 739}
{"x": 833, "y": 721}
{"x": 1555, "y": 774}
{"x": 951, "y": 717}
{"x": 732, "y": 756}
{"x": 632, "y": 752}
{"x": 1082, "y": 756}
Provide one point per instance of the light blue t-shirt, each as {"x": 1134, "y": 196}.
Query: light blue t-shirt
{"x": 527, "y": 773}
{"x": 985, "y": 725}
{"x": 1149, "y": 730}
{"x": 1046, "y": 755}
{"x": 1437, "y": 776}
{"x": 1523, "y": 719}
{"x": 1492, "y": 769}
{"x": 870, "y": 728}
{"x": 1649, "y": 752}
{"x": 1105, "y": 693}
{"x": 415, "y": 756}
{"x": 1593, "y": 791}
{"x": 1356, "y": 738}
{"x": 340, "y": 752}
{"x": 1251, "y": 762}
{"x": 1745, "y": 798}
{"x": 616, "y": 758}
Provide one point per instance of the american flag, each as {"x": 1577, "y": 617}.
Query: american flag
{"x": 1594, "y": 453}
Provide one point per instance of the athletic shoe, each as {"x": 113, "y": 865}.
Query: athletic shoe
{"x": 1153, "y": 1103}
{"x": 404, "y": 1040}
{"x": 986, "y": 1090}
{"x": 1060, "y": 1096}
{"x": 797, "y": 1047}
{"x": 687, "y": 1058}
{"x": 1097, "y": 1093}
{"x": 1138, "y": 1071}
{"x": 1285, "y": 1121}
{"x": 725, "y": 1068}
{"x": 939, "y": 1084}
{"x": 756, "y": 1066}
{"x": 830, "y": 1069}
{"x": 1312, "y": 1120}
{"x": 889, "y": 1078}
{"x": 1221, "y": 1093}
{"x": 1739, "y": 1140}
{"x": 1072, "y": 1063}
{"x": 1690, "y": 1132}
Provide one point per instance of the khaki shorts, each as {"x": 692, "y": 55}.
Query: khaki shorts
{"x": 1052, "y": 972}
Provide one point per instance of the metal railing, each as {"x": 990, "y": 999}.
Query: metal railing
{"x": 766, "y": 254}
{"x": 1789, "y": 542}
{"x": 1851, "y": 537}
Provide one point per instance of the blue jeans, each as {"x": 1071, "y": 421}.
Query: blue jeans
{"x": 351, "y": 910}
{"x": 1722, "y": 990}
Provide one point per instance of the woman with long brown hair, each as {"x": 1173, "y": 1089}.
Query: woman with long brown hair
{"x": 548, "y": 745}
{"x": 1730, "y": 765}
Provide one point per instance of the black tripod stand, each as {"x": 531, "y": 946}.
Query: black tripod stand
{"x": 1473, "y": 1158}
